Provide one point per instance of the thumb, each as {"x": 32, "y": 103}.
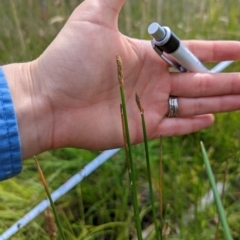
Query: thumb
{"x": 112, "y": 5}
{"x": 109, "y": 9}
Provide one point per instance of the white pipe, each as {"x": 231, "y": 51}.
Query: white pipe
{"x": 220, "y": 66}
{"x": 63, "y": 189}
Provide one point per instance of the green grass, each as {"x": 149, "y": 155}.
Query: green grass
{"x": 100, "y": 207}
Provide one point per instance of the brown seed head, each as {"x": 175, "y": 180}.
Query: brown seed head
{"x": 40, "y": 172}
{"x": 51, "y": 227}
{"x": 166, "y": 229}
{"x": 120, "y": 70}
{"x": 138, "y": 101}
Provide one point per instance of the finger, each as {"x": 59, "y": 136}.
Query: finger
{"x": 212, "y": 51}
{"x": 208, "y": 51}
{"x": 182, "y": 126}
{"x": 198, "y": 106}
{"x": 111, "y": 9}
{"x": 93, "y": 11}
{"x": 204, "y": 85}
{"x": 115, "y": 5}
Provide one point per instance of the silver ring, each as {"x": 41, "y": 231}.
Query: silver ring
{"x": 173, "y": 107}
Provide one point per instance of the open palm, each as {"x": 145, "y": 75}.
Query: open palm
{"x": 78, "y": 76}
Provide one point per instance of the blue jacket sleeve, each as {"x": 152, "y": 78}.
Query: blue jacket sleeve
{"x": 10, "y": 149}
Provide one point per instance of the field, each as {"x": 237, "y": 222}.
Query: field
{"x": 100, "y": 207}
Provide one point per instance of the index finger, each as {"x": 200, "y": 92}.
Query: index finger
{"x": 213, "y": 51}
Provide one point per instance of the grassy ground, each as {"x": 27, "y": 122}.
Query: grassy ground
{"x": 100, "y": 207}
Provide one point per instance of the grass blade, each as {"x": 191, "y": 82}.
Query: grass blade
{"x": 50, "y": 199}
{"x": 223, "y": 192}
{"x": 148, "y": 165}
{"x": 217, "y": 198}
{"x": 132, "y": 174}
{"x": 160, "y": 182}
{"x": 18, "y": 27}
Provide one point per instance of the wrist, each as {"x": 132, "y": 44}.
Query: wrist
{"x": 31, "y": 108}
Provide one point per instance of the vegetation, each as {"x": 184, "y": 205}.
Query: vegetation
{"x": 100, "y": 207}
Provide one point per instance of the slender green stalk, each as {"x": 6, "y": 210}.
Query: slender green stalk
{"x": 161, "y": 182}
{"x": 18, "y": 27}
{"x": 132, "y": 173}
{"x": 148, "y": 166}
{"x": 81, "y": 205}
{"x": 125, "y": 139}
{"x": 50, "y": 199}
{"x": 166, "y": 223}
{"x": 159, "y": 8}
{"x": 143, "y": 26}
{"x": 223, "y": 193}
{"x": 128, "y": 17}
{"x": 217, "y": 198}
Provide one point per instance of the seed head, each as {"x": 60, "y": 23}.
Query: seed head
{"x": 166, "y": 229}
{"x": 120, "y": 70}
{"x": 138, "y": 101}
{"x": 51, "y": 227}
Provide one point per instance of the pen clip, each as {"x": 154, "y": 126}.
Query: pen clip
{"x": 176, "y": 65}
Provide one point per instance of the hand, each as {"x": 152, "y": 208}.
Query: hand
{"x": 69, "y": 96}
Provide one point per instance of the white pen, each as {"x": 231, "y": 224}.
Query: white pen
{"x": 165, "y": 41}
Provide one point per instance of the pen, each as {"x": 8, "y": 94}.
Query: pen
{"x": 165, "y": 41}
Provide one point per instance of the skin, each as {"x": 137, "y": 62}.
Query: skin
{"x": 69, "y": 96}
